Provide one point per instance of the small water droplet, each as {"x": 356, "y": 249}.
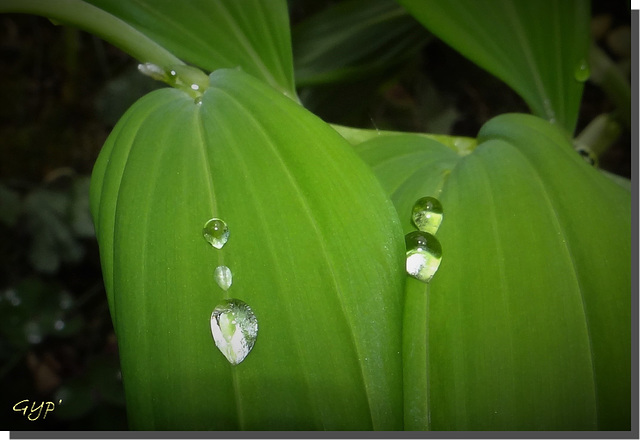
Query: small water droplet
{"x": 582, "y": 71}
{"x": 198, "y": 100}
{"x": 223, "y": 277}
{"x": 216, "y": 232}
{"x": 424, "y": 254}
{"x": 234, "y": 327}
{"x": 427, "y": 214}
{"x": 152, "y": 70}
{"x": 59, "y": 325}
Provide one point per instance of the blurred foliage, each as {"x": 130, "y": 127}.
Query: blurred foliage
{"x": 63, "y": 91}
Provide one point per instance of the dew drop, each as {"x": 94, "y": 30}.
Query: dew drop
{"x": 582, "y": 71}
{"x": 198, "y": 100}
{"x": 223, "y": 277}
{"x": 234, "y": 328}
{"x": 427, "y": 214}
{"x": 216, "y": 232}
{"x": 424, "y": 254}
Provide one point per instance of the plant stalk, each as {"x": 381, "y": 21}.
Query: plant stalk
{"x": 415, "y": 356}
{"x": 92, "y": 19}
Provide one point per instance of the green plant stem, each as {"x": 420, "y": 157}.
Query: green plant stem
{"x": 608, "y": 76}
{"x": 460, "y": 144}
{"x": 89, "y": 18}
{"x": 600, "y": 134}
{"x": 415, "y": 355}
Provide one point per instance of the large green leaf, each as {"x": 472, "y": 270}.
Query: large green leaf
{"x": 528, "y": 317}
{"x": 539, "y": 48}
{"x": 353, "y": 39}
{"x": 253, "y": 35}
{"x": 315, "y": 249}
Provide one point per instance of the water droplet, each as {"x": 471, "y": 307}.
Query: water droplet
{"x": 223, "y": 277}
{"x": 427, "y": 214}
{"x": 198, "y": 100}
{"x": 234, "y": 328}
{"x": 424, "y": 254}
{"x": 216, "y": 232}
{"x": 152, "y": 70}
{"x": 582, "y": 72}
{"x": 59, "y": 325}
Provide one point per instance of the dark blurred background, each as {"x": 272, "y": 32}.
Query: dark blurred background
{"x": 63, "y": 91}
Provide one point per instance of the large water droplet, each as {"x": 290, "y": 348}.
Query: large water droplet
{"x": 223, "y": 277}
{"x": 216, "y": 232}
{"x": 234, "y": 328}
{"x": 427, "y": 214}
{"x": 424, "y": 254}
{"x": 582, "y": 71}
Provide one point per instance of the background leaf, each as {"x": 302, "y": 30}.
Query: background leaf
{"x": 354, "y": 39}
{"x": 540, "y": 49}
{"x": 315, "y": 249}
{"x": 528, "y": 317}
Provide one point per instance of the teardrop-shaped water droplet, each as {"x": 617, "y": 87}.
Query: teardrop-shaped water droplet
{"x": 223, "y": 277}
{"x": 424, "y": 254}
{"x": 234, "y": 328}
{"x": 427, "y": 214}
{"x": 582, "y": 71}
{"x": 216, "y": 232}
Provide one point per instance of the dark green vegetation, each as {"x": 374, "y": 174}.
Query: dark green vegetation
{"x": 524, "y": 326}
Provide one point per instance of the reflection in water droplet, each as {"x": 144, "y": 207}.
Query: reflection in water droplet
{"x": 424, "y": 254}
{"x": 223, "y": 277}
{"x": 582, "y": 72}
{"x": 216, "y": 232}
{"x": 427, "y": 214}
{"x": 33, "y": 332}
{"x": 234, "y": 328}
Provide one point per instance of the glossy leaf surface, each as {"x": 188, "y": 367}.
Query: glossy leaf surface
{"x": 314, "y": 246}
{"x": 528, "y": 317}
{"x": 540, "y": 49}
{"x": 252, "y": 35}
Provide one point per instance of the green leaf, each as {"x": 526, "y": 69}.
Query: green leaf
{"x": 528, "y": 317}
{"x": 315, "y": 249}
{"x": 537, "y": 48}
{"x": 353, "y": 39}
{"x": 253, "y": 35}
